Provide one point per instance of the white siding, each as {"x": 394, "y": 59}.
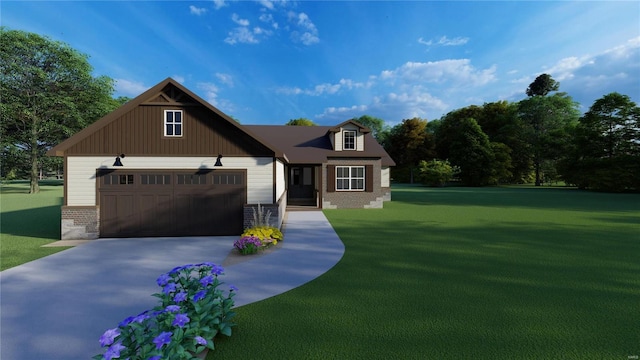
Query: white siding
{"x": 81, "y": 174}
{"x": 339, "y": 138}
{"x": 386, "y": 177}
{"x": 280, "y": 179}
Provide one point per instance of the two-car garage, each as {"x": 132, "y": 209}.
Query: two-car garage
{"x": 137, "y": 203}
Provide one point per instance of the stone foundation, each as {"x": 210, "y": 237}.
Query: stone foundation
{"x": 80, "y": 223}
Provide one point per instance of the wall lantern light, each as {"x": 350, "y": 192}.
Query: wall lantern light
{"x": 118, "y": 162}
{"x": 218, "y": 162}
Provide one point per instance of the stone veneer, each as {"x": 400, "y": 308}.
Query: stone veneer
{"x": 80, "y": 223}
{"x": 356, "y": 199}
{"x": 277, "y": 212}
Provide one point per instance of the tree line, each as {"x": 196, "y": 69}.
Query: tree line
{"x": 48, "y": 93}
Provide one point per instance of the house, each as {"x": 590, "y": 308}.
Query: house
{"x": 168, "y": 163}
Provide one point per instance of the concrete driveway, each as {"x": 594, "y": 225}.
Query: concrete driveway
{"x": 58, "y": 306}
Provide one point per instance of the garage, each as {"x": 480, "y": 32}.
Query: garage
{"x": 137, "y": 203}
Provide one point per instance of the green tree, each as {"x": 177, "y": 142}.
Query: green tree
{"x": 408, "y": 143}
{"x": 606, "y": 155}
{"x": 542, "y": 86}
{"x": 470, "y": 150}
{"x": 48, "y": 93}
{"x": 548, "y": 121}
{"x": 300, "y": 122}
{"x": 376, "y": 125}
{"x": 436, "y": 172}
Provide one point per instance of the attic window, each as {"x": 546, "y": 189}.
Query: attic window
{"x": 173, "y": 123}
{"x": 349, "y": 140}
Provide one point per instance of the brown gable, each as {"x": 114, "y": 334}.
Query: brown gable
{"x": 136, "y": 128}
{"x": 363, "y": 129}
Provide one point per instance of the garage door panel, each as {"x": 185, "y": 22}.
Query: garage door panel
{"x": 171, "y": 203}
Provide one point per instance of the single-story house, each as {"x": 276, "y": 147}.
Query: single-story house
{"x": 168, "y": 163}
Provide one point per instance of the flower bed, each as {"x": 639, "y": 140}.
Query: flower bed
{"x": 257, "y": 238}
{"x": 192, "y": 311}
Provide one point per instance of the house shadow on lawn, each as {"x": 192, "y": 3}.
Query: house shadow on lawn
{"x": 41, "y": 222}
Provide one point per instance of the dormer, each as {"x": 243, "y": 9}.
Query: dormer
{"x": 348, "y": 136}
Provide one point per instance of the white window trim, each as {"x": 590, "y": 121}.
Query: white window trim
{"x": 173, "y": 123}
{"x": 344, "y": 139}
{"x": 350, "y": 178}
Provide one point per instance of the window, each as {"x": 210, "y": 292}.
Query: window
{"x": 195, "y": 179}
{"x": 113, "y": 179}
{"x": 349, "y": 138}
{"x": 173, "y": 123}
{"x": 350, "y": 178}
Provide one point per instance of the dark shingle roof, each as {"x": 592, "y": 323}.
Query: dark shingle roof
{"x": 311, "y": 144}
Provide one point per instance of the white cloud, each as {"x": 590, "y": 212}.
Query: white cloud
{"x": 178, "y": 78}
{"x": 453, "y": 70}
{"x": 236, "y": 19}
{"x": 445, "y": 41}
{"x": 268, "y": 18}
{"x": 217, "y": 4}
{"x": 196, "y": 10}
{"x": 326, "y": 88}
{"x": 210, "y": 92}
{"x": 241, "y": 35}
{"x": 225, "y": 79}
{"x": 130, "y": 88}
{"x": 266, "y": 3}
{"x": 308, "y": 33}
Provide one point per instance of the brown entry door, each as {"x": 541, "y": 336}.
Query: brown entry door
{"x": 302, "y": 185}
{"x": 171, "y": 203}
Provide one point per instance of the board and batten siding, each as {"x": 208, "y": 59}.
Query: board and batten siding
{"x": 385, "y": 179}
{"x": 81, "y": 173}
{"x": 280, "y": 179}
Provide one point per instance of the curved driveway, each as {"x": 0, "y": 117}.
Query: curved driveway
{"x": 58, "y": 306}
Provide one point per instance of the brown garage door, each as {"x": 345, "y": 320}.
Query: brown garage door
{"x": 171, "y": 203}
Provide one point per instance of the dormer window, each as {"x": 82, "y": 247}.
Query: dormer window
{"x": 349, "y": 140}
{"x": 173, "y": 123}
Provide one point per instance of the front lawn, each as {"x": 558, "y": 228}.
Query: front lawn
{"x": 464, "y": 273}
{"x": 28, "y": 221}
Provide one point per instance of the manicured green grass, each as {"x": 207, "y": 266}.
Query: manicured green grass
{"x": 464, "y": 273}
{"x": 28, "y": 221}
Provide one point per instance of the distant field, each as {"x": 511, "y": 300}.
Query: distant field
{"x": 464, "y": 273}
{"x": 28, "y": 221}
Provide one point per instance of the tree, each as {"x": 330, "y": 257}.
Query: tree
{"x": 469, "y": 149}
{"x": 606, "y": 155}
{"x": 300, "y": 122}
{"x": 435, "y": 172}
{"x": 409, "y": 143}
{"x": 542, "y": 86}
{"x": 548, "y": 120}
{"x": 48, "y": 93}
{"x": 376, "y": 125}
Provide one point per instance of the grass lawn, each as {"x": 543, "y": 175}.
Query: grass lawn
{"x": 28, "y": 221}
{"x": 464, "y": 273}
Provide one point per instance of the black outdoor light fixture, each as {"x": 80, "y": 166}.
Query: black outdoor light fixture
{"x": 118, "y": 162}
{"x": 218, "y": 162}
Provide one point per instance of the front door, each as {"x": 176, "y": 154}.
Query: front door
{"x": 302, "y": 190}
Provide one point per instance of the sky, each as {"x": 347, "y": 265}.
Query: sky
{"x": 267, "y": 62}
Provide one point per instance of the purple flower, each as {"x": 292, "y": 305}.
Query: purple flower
{"x": 172, "y": 308}
{"x": 217, "y": 270}
{"x": 113, "y": 351}
{"x": 200, "y": 340}
{"x": 126, "y": 321}
{"x": 207, "y": 280}
{"x": 163, "y": 339}
{"x": 175, "y": 269}
{"x": 171, "y": 287}
{"x": 180, "y": 297}
{"x": 199, "y": 295}
{"x": 157, "y": 357}
{"x": 140, "y": 318}
{"x": 108, "y": 337}
{"x": 163, "y": 279}
{"x": 233, "y": 288}
{"x": 180, "y": 320}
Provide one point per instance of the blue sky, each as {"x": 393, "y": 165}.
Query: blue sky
{"x": 266, "y": 62}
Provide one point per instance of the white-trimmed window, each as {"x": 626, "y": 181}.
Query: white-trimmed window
{"x": 349, "y": 140}
{"x": 350, "y": 178}
{"x": 173, "y": 123}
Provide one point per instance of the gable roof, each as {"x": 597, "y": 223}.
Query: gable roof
{"x": 312, "y": 145}
{"x": 363, "y": 129}
{"x": 154, "y": 95}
